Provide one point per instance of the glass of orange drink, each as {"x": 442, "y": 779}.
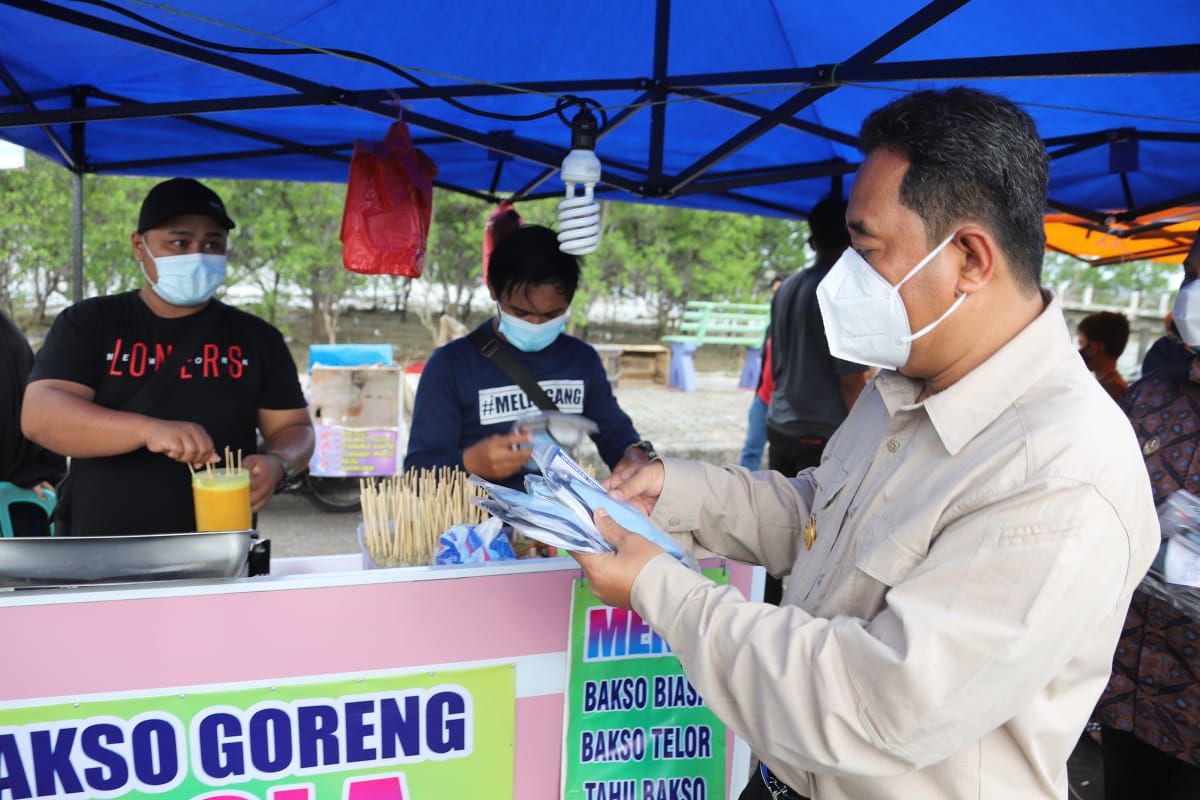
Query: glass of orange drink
{"x": 222, "y": 500}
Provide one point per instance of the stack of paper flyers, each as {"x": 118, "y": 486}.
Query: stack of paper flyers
{"x": 558, "y": 506}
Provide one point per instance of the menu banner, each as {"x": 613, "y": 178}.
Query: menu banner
{"x": 354, "y": 452}
{"x": 635, "y": 728}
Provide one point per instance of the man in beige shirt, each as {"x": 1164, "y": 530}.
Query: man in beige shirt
{"x": 962, "y": 559}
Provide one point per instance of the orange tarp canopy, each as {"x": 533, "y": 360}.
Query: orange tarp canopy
{"x": 1163, "y": 236}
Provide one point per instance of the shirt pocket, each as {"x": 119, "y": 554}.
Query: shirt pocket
{"x": 881, "y": 556}
{"x": 829, "y": 479}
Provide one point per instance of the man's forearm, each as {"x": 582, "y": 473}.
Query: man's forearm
{"x": 72, "y": 426}
{"x": 294, "y": 444}
{"x": 754, "y": 518}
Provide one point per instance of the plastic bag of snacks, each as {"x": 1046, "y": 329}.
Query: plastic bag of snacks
{"x": 475, "y": 544}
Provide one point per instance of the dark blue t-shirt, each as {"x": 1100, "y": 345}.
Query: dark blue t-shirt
{"x": 463, "y": 397}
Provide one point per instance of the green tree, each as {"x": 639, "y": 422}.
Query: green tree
{"x": 287, "y": 238}
{"x": 35, "y": 239}
{"x": 453, "y": 258}
{"x": 1111, "y": 284}
{"x": 110, "y": 211}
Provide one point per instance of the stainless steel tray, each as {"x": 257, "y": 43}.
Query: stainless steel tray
{"x": 75, "y": 560}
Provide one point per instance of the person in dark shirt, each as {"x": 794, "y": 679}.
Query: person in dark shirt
{"x": 1102, "y": 340}
{"x": 96, "y": 393}
{"x": 466, "y": 405}
{"x": 22, "y": 462}
{"x": 813, "y": 390}
{"x": 1168, "y": 352}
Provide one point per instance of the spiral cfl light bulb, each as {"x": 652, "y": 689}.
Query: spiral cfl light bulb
{"x": 579, "y": 214}
{"x": 579, "y": 221}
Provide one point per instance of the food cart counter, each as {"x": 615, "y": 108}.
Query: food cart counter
{"x": 323, "y": 679}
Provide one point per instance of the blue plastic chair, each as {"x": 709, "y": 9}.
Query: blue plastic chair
{"x": 11, "y": 493}
{"x": 751, "y": 369}
{"x": 682, "y": 374}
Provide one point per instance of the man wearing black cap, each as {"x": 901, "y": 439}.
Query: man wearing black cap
{"x": 134, "y": 387}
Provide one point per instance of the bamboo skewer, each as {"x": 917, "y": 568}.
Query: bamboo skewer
{"x": 404, "y": 516}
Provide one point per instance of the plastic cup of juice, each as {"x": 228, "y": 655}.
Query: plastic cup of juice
{"x": 222, "y": 500}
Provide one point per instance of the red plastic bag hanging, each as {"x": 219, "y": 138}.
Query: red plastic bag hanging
{"x": 389, "y": 204}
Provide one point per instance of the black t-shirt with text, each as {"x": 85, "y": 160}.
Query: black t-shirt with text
{"x": 114, "y": 345}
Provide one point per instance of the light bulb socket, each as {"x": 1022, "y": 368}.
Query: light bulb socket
{"x": 583, "y": 130}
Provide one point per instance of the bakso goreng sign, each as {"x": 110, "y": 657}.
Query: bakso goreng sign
{"x": 401, "y": 737}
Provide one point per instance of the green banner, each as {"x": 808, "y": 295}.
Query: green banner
{"x": 635, "y": 727}
{"x": 392, "y": 737}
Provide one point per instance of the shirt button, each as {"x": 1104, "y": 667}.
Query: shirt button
{"x": 893, "y": 445}
{"x": 673, "y": 521}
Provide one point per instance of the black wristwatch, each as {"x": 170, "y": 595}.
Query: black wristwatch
{"x": 288, "y": 472}
{"x": 647, "y": 448}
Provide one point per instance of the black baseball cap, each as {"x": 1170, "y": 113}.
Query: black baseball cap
{"x": 181, "y": 196}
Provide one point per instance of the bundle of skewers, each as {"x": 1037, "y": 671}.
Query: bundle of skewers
{"x": 232, "y": 465}
{"x": 404, "y": 516}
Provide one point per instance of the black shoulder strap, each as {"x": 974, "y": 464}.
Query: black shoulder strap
{"x": 498, "y": 353}
{"x": 145, "y": 397}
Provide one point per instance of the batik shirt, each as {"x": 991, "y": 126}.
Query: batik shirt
{"x": 1154, "y": 691}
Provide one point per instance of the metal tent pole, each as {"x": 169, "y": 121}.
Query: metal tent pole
{"x": 78, "y": 158}
{"x": 76, "y": 236}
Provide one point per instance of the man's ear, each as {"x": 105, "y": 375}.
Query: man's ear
{"x": 137, "y": 243}
{"x": 979, "y": 258}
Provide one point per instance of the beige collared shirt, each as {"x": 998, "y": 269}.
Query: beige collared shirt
{"x": 949, "y": 631}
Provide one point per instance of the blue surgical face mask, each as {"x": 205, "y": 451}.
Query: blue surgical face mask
{"x": 530, "y": 337}
{"x": 189, "y": 279}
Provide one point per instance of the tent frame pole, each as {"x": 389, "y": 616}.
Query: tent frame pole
{"x": 79, "y": 166}
{"x": 739, "y": 179}
{"x": 27, "y": 101}
{"x": 615, "y": 122}
{"x": 750, "y": 109}
{"x": 807, "y": 84}
{"x": 528, "y": 150}
{"x": 922, "y": 20}
{"x": 658, "y": 96}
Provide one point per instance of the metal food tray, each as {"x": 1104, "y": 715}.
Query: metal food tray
{"x": 75, "y": 560}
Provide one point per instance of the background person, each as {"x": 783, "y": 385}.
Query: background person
{"x": 1150, "y": 712}
{"x": 466, "y": 404}
{"x": 22, "y": 462}
{"x": 756, "y": 418}
{"x": 963, "y": 557}
{"x": 1102, "y": 340}
{"x": 813, "y": 390}
{"x": 226, "y": 374}
{"x": 1169, "y": 351}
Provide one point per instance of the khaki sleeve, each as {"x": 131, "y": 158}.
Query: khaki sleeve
{"x": 1000, "y": 604}
{"x": 755, "y": 517}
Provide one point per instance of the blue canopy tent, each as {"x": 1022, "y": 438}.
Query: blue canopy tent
{"x": 744, "y": 105}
